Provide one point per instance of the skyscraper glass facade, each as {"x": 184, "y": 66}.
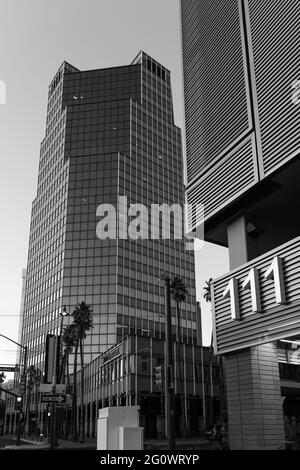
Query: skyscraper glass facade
{"x": 109, "y": 133}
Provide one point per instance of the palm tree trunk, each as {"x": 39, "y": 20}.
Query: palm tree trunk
{"x": 74, "y": 400}
{"x": 208, "y": 395}
{"x": 81, "y": 429}
{"x": 62, "y": 367}
{"x": 181, "y": 383}
{"x": 222, "y": 388}
{"x": 68, "y": 367}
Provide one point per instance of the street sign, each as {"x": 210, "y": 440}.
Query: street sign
{"x": 18, "y": 403}
{"x": 53, "y": 398}
{"x": 47, "y": 388}
{"x": 9, "y": 369}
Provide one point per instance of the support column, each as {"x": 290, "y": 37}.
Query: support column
{"x": 255, "y": 414}
{"x": 86, "y": 416}
{"x": 254, "y": 399}
{"x": 94, "y": 417}
{"x": 90, "y": 406}
{"x": 15, "y": 423}
{"x": 11, "y": 424}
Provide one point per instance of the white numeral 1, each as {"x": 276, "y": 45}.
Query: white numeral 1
{"x": 275, "y": 271}
{"x": 232, "y": 291}
{"x": 252, "y": 282}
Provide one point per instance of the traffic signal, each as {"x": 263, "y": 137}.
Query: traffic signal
{"x": 18, "y": 404}
{"x": 48, "y": 408}
{"x": 158, "y": 376}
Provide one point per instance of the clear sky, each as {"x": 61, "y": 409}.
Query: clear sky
{"x": 35, "y": 37}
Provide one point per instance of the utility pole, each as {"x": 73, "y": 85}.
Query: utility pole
{"x": 57, "y": 372}
{"x": 53, "y": 436}
{"x": 23, "y": 382}
{"x": 170, "y": 415}
{"x": 60, "y": 374}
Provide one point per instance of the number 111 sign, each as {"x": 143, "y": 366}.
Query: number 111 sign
{"x": 252, "y": 282}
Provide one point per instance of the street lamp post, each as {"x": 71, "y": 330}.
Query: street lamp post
{"x": 24, "y": 375}
{"x": 169, "y": 363}
{"x": 63, "y": 314}
{"x": 53, "y": 422}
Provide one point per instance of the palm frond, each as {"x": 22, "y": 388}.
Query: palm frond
{"x": 207, "y": 290}
{"x": 178, "y": 289}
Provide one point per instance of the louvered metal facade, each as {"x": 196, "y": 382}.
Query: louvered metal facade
{"x": 216, "y": 111}
{"x": 231, "y": 176}
{"x": 240, "y": 59}
{"x": 275, "y": 40}
{"x": 275, "y": 321}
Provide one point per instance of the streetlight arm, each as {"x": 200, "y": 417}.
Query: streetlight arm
{"x": 21, "y": 346}
{"x": 8, "y": 392}
{"x": 18, "y": 344}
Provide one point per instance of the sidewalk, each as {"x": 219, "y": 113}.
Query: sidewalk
{"x": 192, "y": 443}
{"x": 89, "y": 444}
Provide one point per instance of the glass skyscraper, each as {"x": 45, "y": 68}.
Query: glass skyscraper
{"x": 109, "y": 133}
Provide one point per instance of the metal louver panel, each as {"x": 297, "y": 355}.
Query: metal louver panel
{"x": 275, "y": 31}
{"x": 274, "y": 321}
{"x": 225, "y": 182}
{"x": 217, "y": 110}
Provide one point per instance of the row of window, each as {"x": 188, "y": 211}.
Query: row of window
{"x": 49, "y": 216}
{"x": 44, "y": 264}
{"x": 53, "y": 164}
{"x": 51, "y": 187}
{"x": 43, "y": 285}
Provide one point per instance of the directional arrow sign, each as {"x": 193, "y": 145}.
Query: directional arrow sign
{"x": 53, "y": 398}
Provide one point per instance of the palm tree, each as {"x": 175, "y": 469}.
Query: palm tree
{"x": 69, "y": 338}
{"x": 207, "y": 290}
{"x": 209, "y": 411}
{"x": 82, "y": 316}
{"x": 180, "y": 292}
{"x": 209, "y": 414}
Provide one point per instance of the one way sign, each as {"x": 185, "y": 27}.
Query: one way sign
{"x": 53, "y": 398}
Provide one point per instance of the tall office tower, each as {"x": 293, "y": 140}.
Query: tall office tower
{"x": 109, "y": 133}
{"x": 242, "y": 104}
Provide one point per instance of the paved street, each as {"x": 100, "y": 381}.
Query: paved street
{"x": 9, "y": 442}
{"x": 90, "y": 444}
